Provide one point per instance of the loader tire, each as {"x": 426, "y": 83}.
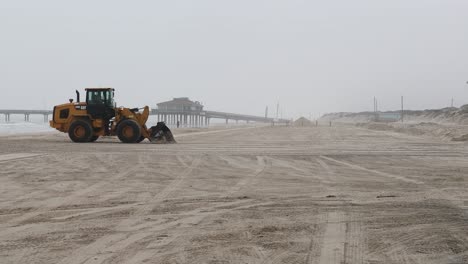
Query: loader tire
{"x": 80, "y": 131}
{"x": 93, "y": 138}
{"x": 129, "y": 131}
{"x": 140, "y": 139}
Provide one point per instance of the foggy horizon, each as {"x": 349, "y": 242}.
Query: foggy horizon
{"x": 238, "y": 56}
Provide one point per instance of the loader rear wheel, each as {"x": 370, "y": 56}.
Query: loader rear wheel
{"x": 129, "y": 131}
{"x": 93, "y": 138}
{"x": 80, "y": 131}
{"x": 140, "y": 139}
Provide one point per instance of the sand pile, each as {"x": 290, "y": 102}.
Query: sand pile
{"x": 445, "y": 132}
{"x": 344, "y": 117}
{"x": 302, "y": 121}
{"x": 461, "y": 138}
{"x": 449, "y": 115}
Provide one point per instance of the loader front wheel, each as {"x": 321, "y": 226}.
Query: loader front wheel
{"x": 80, "y": 131}
{"x": 129, "y": 131}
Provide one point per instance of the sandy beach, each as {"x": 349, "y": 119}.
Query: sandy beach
{"x": 315, "y": 195}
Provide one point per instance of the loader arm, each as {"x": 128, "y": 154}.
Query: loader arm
{"x": 142, "y": 119}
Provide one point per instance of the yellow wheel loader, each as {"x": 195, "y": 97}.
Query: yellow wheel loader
{"x": 98, "y": 116}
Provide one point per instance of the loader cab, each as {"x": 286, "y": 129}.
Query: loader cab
{"x": 100, "y": 102}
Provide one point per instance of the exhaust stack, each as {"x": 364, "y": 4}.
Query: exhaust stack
{"x": 77, "y": 96}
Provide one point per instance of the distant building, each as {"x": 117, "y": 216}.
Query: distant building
{"x": 388, "y": 117}
{"x": 181, "y": 104}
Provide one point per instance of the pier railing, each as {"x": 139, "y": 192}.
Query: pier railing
{"x": 172, "y": 118}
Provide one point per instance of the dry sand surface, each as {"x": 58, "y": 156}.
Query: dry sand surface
{"x": 446, "y": 132}
{"x": 321, "y": 195}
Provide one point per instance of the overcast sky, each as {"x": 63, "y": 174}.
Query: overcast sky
{"x": 237, "y": 56}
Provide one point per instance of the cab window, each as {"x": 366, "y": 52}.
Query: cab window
{"x": 96, "y": 97}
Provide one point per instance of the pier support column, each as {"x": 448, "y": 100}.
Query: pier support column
{"x": 227, "y": 121}
{"x": 46, "y": 118}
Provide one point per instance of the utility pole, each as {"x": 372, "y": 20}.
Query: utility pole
{"x": 277, "y": 110}
{"x": 266, "y": 112}
{"x": 375, "y": 109}
{"x": 402, "y": 109}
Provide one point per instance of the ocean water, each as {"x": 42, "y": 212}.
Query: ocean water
{"x": 37, "y": 125}
{"x": 14, "y": 128}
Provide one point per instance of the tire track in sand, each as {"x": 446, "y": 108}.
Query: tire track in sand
{"x": 342, "y": 241}
{"x": 112, "y": 245}
{"x": 330, "y": 174}
{"x": 15, "y": 224}
{"x": 192, "y": 218}
{"x": 18, "y": 156}
{"x": 148, "y": 205}
{"x": 388, "y": 175}
{"x": 261, "y": 166}
{"x": 198, "y": 215}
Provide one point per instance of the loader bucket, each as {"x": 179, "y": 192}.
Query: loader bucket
{"x": 161, "y": 134}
